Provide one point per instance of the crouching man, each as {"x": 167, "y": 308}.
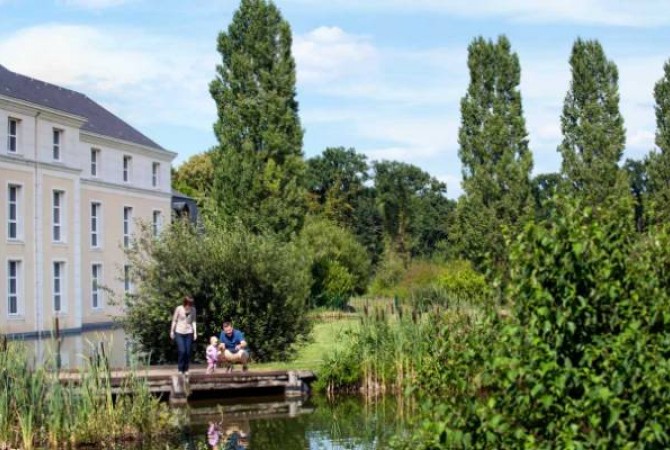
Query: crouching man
{"x": 232, "y": 348}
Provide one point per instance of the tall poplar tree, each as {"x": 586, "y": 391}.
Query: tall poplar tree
{"x": 659, "y": 161}
{"x": 494, "y": 152}
{"x": 592, "y": 126}
{"x": 259, "y": 167}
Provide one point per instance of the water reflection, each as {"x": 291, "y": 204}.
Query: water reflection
{"x": 253, "y": 424}
{"x": 72, "y": 351}
{"x": 230, "y": 436}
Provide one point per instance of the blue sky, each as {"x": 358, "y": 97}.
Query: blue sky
{"x": 382, "y": 76}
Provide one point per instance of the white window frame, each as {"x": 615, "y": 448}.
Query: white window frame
{"x": 17, "y": 220}
{"x": 95, "y": 162}
{"x": 57, "y": 147}
{"x": 127, "y": 225}
{"x": 127, "y": 168}
{"x": 97, "y": 299}
{"x": 157, "y": 222}
{"x": 58, "y": 216}
{"x": 96, "y": 224}
{"x": 155, "y": 174}
{"x": 13, "y": 138}
{"x": 18, "y": 287}
{"x": 127, "y": 280}
{"x": 59, "y": 286}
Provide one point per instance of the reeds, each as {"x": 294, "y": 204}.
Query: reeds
{"x": 39, "y": 410}
{"x": 402, "y": 346}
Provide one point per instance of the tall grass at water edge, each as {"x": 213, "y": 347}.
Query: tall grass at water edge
{"x": 425, "y": 342}
{"x": 37, "y": 410}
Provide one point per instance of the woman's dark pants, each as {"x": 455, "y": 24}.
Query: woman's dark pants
{"x": 184, "y": 344}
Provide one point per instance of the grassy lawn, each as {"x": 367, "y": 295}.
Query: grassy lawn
{"x": 327, "y": 336}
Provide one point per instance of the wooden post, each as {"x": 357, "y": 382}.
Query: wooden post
{"x": 178, "y": 392}
{"x": 294, "y": 387}
{"x": 57, "y": 334}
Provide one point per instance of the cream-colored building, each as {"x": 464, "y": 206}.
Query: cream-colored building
{"x": 75, "y": 180}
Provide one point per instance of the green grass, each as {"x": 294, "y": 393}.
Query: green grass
{"x": 326, "y": 336}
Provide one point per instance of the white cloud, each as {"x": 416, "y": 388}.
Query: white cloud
{"x": 326, "y": 54}
{"x": 144, "y": 78}
{"x": 646, "y": 13}
{"x": 94, "y": 4}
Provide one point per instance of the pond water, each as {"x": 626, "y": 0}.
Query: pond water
{"x": 265, "y": 423}
{"x": 277, "y": 423}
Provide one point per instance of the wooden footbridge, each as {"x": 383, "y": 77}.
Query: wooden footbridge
{"x": 167, "y": 382}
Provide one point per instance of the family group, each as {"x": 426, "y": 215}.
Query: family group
{"x": 228, "y": 349}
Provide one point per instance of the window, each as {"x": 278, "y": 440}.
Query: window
{"x": 12, "y": 135}
{"x": 13, "y": 280}
{"x": 96, "y": 220}
{"x": 127, "y": 283}
{"x": 96, "y": 293}
{"x": 95, "y": 160}
{"x": 157, "y": 222}
{"x": 155, "y": 171}
{"x": 127, "y": 225}
{"x": 57, "y": 138}
{"x": 127, "y": 167}
{"x": 13, "y": 212}
{"x": 57, "y": 224}
{"x": 58, "y": 286}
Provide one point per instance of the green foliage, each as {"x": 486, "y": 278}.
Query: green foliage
{"x": 38, "y": 411}
{"x": 258, "y": 281}
{"x": 335, "y": 180}
{"x": 452, "y": 281}
{"x": 340, "y": 266}
{"x": 412, "y": 204}
{"x": 195, "y": 177}
{"x": 592, "y": 126}
{"x": 545, "y": 186}
{"x": 336, "y": 184}
{"x": 460, "y": 281}
{"x": 658, "y": 162}
{"x": 258, "y": 165}
{"x": 495, "y": 156}
{"x": 403, "y": 349}
{"x": 584, "y": 361}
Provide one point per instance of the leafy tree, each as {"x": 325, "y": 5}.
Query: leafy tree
{"x": 340, "y": 266}
{"x": 368, "y": 224}
{"x": 592, "y": 125}
{"x": 659, "y": 161}
{"x": 545, "y": 186}
{"x": 494, "y": 152}
{"x": 258, "y": 281}
{"x": 336, "y": 180}
{"x": 404, "y": 195}
{"x": 638, "y": 178}
{"x": 259, "y": 170}
{"x": 195, "y": 177}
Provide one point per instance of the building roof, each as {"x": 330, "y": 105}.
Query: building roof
{"x": 98, "y": 119}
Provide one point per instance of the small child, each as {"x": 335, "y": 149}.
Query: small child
{"x": 212, "y": 353}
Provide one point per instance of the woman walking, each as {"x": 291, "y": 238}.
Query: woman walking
{"x": 183, "y": 331}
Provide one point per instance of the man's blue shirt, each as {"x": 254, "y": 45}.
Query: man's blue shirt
{"x": 232, "y": 341}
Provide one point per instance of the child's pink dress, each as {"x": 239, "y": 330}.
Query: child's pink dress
{"x": 212, "y": 356}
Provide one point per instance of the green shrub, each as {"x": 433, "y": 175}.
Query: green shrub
{"x": 340, "y": 266}
{"x": 423, "y": 281}
{"x": 258, "y": 281}
{"x": 585, "y": 360}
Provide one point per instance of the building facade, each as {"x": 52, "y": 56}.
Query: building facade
{"x": 75, "y": 183}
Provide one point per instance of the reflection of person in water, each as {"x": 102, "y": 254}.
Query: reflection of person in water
{"x": 233, "y": 438}
{"x": 213, "y": 435}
